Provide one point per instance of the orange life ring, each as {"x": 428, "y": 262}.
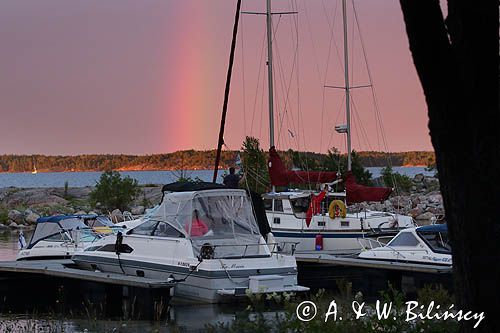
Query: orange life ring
{"x": 337, "y": 209}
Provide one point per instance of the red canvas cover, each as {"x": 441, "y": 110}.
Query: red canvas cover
{"x": 280, "y": 176}
{"x": 360, "y": 193}
{"x": 314, "y": 206}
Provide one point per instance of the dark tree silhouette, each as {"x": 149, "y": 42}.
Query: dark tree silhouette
{"x": 457, "y": 63}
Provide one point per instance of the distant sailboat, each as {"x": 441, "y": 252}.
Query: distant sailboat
{"x": 34, "y": 172}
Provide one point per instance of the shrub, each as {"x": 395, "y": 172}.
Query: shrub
{"x": 396, "y": 180}
{"x": 4, "y": 216}
{"x": 112, "y": 191}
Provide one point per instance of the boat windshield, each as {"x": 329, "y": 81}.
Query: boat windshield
{"x": 404, "y": 239}
{"x": 50, "y": 230}
{"x": 221, "y": 219}
{"x": 72, "y": 228}
{"x": 437, "y": 241}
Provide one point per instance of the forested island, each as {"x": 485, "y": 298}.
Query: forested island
{"x": 189, "y": 160}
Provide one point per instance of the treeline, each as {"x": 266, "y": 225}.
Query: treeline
{"x": 186, "y": 160}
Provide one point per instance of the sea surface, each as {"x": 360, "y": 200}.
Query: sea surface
{"x": 81, "y": 179}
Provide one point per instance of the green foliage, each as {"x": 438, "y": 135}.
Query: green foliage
{"x": 254, "y": 162}
{"x": 338, "y": 162}
{"x": 65, "y": 194}
{"x": 362, "y": 175}
{"x": 436, "y": 293}
{"x": 4, "y": 216}
{"x": 112, "y": 191}
{"x": 396, "y": 180}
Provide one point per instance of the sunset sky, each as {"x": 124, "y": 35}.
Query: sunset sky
{"x": 148, "y": 76}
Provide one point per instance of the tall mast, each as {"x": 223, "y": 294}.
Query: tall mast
{"x": 226, "y": 92}
{"x": 269, "y": 24}
{"x": 347, "y": 87}
{"x": 270, "y": 71}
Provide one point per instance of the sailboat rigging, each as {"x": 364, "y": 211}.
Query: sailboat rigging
{"x": 320, "y": 221}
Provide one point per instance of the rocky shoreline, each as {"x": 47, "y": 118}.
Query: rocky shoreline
{"x": 21, "y": 207}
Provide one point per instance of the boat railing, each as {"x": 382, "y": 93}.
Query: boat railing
{"x": 281, "y": 247}
{"x": 400, "y": 254}
{"x": 369, "y": 243}
{"x": 209, "y": 251}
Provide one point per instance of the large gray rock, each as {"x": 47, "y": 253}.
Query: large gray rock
{"x": 16, "y": 216}
{"x": 81, "y": 212}
{"x": 414, "y": 212}
{"x": 116, "y": 216}
{"x": 435, "y": 198}
{"x": 418, "y": 178}
{"x": 425, "y": 216}
{"x": 31, "y": 218}
{"x": 138, "y": 210}
{"x": 13, "y": 225}
{"x": 33, "y": 197}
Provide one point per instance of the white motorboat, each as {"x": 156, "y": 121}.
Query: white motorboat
{"x": 426, "y": 245}
{"x": 205, "y": 237}
{"x": 59, "y": 237}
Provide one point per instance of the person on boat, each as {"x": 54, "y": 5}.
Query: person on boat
{"x": 232, "y": 180}
{"x": 198, "y": 227}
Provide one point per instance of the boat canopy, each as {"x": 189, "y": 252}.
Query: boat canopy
{"x": 280, "y": 176}
{"x": 361, "y": 193}
{"x": 64, "y": 225}
{"x": 436, "y": 236}
{"x": 222, "y": 218}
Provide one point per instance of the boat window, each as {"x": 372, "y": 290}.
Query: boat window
{"x": 166, "y": 230}
{"x": 404, "y": 239}
{"x": 268, "y": 204}
{"x": 437, "y": 241}
{"x": 147, "y": 228}
{"x": 278, "y": 205}
{"x": 300, "y": 205}
{"x": 60, "y": 237}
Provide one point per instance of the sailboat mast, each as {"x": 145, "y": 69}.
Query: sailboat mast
{"x": 270, "y": 71}
{"x": 347, "y": 87}
{"x": 226, "y": 92}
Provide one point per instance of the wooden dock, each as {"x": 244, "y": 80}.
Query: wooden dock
{"x": 65, "y": 269}
{"x": 58, "y": 286}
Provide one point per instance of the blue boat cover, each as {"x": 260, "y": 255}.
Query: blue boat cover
{"x": 434, "y": 228}
{"x": 58, "y": 218}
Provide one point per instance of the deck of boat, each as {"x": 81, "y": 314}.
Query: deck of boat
{"x": 353, "y": 261}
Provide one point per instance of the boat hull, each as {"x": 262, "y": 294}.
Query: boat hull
{"x": 198, "y": 284}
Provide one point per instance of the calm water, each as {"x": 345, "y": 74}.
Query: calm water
{"x": 81, "y": 179}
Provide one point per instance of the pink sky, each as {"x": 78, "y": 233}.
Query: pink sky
{"x": 142, "y": 77}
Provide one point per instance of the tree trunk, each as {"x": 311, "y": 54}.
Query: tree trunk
{"x": 457, "y": 63}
